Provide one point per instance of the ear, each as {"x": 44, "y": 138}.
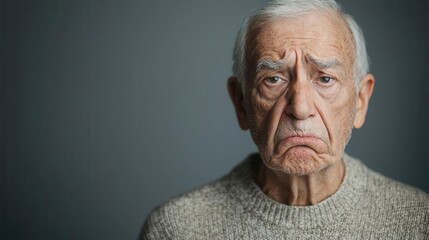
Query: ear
{"x": 364, "y": 93}
{"x": 236, "y": 93}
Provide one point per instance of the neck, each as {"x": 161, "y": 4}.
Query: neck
{"x": 300, "y": 190}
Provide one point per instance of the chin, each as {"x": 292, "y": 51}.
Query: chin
{"x": 297, "y": 161}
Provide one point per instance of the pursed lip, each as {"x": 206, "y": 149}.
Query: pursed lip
{"x": 307, "y": 141}
{"x": 310, "y": 141}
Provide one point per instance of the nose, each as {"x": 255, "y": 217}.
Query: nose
{"x": 299, "y": 100}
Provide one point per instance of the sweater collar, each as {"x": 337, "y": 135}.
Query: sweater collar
{"x": 333, "y": 209}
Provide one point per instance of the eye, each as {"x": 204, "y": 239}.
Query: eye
{"x": 325, "y": 80}
{"x": 273, "y": 79}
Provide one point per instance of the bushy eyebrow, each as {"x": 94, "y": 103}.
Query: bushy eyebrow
{"x": 324, "y": 63}
{"x": 268, "y": 64}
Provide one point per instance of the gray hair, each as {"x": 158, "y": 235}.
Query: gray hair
{"x": 282, "y": 9}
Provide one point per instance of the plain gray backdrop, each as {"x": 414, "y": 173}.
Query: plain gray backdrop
{"x": 110, "y": 108}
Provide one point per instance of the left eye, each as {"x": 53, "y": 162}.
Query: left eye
{"x": 325, "y": 79}
{"x": 274, "y": 79}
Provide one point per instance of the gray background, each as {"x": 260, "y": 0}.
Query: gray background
{"x": 111, "y": 107}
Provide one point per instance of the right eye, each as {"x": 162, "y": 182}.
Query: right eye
{"x": 273, "y": 79}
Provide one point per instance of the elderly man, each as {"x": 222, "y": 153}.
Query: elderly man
{"x": 300, "y": 85}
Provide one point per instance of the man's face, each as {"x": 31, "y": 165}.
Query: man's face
{"x": 300, "y": 96}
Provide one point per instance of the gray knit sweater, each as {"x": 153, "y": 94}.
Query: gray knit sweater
{"x": 366, "y": 206}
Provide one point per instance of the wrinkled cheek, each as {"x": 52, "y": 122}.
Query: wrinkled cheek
{"x": 344, "y": 125}
{"x": 257, "y": 126}
{"x": 259, "y": 122}
{"x": 348, "y": 126}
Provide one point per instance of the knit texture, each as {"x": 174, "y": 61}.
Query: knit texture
{"x": 366, "y": 206}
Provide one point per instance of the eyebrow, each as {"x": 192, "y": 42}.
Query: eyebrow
{"x": 324, "y": 63}
{"x": 268, "y": 64}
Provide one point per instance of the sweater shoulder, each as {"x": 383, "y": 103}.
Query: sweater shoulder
{"x": 397, "y": 202}
{"x": 175, "y": 217}
{"x": 200, "y": 198}
{"x": 387, "y": 188}
{"x": 389, "y": 207}
{"x": 384, "y": 188}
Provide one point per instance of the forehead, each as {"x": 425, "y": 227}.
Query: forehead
{"x": 322, "y": 34}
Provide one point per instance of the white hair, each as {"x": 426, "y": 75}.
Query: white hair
{"x": 283, "y": 9}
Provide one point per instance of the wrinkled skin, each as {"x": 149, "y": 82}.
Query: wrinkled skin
{"x": 301, "y": 112}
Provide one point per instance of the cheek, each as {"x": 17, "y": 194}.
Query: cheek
{"x": 348, "y": 121}
{"x": 262, "y": 115}
{"x": 260, "y": 107}
{"x": 340, "y": 122}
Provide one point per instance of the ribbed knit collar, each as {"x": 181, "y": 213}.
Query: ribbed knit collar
{"x": 333, "y": 209}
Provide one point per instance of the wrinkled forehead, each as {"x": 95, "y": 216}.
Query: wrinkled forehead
{"x": 324, "y": 34}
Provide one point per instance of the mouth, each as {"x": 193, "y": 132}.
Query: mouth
{"x": 306, "y": 141}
